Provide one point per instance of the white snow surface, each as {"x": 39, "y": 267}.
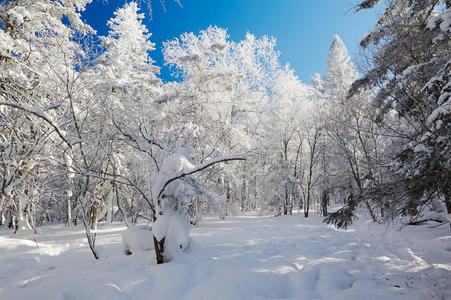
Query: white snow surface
{"x": 244, "y": 257}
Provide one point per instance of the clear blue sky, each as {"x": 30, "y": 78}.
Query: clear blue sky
{"x": 303, "y": 29}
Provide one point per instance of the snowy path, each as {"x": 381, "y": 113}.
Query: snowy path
{"x": 239, "y": 258}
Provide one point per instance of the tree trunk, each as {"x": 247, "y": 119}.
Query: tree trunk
{"x": 95, "y": 211}
{"x": 324, "y": 203}
{"x": 22, "y": 220}
{"x": 447, "y": 194}
{"x": 159, "y": 249}
{"x": 69, "y": 210}
{"x": 244, "y": 198}
{"x": 30, "y": 212}
{"x": 109, "y": 209}
{"x": 91, "y": 237}
{"x": 2, "y": 205}
{"x": 307, "y": 205}
{"x": 229, "y": 197}
{"x": 285, "y": 204}
{"x": 370, "y": 210}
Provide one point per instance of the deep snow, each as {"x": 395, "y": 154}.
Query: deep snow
{"x": 243, "y": 257}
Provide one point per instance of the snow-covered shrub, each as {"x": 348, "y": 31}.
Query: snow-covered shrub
{"x": 179, "y": 231}
{"x": 140, "y": 237}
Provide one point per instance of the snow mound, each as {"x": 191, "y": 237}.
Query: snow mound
{"x": 179, "y": 231}
{"x": 171, "y": 249}
{"x": 137, "y": 238}
{"x": 174, "y": 227}
{"x": 13, "y": 244}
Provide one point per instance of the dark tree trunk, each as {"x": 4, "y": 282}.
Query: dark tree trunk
{"x": 324, "y": 203}
{"x": 307, "y": 205}
{"x": 285, "y": 205}
{"x": 159, "y": 249}
{"x": 447, "y": 194}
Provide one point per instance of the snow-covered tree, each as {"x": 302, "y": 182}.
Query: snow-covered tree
{"x": 222, "y": 96}
{"x": 32, "y": 41}
{"x": 125, "y": 65}
{"x": 410, "y": 68}
{"x": 340, "y": 70}
{"x": 284, "y": 134}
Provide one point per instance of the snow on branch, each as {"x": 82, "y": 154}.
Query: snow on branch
{"x": 40, "y": 114}
{"x": 367, "y": 4}
{"x": 141, "y": 141}
{"x": 127, "y": 182}
{"x": 197, "y": 169}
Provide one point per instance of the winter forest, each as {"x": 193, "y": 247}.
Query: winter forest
{"x": 233, "y": 180}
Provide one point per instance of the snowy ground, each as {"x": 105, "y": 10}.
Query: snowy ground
{"x": 239, "y": 258}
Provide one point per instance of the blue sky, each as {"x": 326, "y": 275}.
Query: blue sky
{"x": 303, "y": 29}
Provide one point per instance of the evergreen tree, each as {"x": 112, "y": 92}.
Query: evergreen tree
{"x": 125, "y": 65}
{"x": 410, "y": 66}
{"x": 341, "y": 71}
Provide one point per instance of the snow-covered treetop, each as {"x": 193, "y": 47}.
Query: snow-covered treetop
{"x": 254, "y": 59}
{"x": 126, "y": 60}
{"x": 31, "y": 30}
{"x": 341, "y": 71}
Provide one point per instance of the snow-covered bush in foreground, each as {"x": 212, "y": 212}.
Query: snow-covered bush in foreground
{"x": 169, "y": 194}
{"x": 140, "y": 237}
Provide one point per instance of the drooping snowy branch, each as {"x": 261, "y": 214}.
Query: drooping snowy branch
{"x": 158, "y": 192}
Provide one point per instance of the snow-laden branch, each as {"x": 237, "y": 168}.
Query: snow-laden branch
{"x": 40, "y": 114}
{"x": 127, "y": 182}
{"x": 140, "y": 141}
{"x": 195, "y": 170}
